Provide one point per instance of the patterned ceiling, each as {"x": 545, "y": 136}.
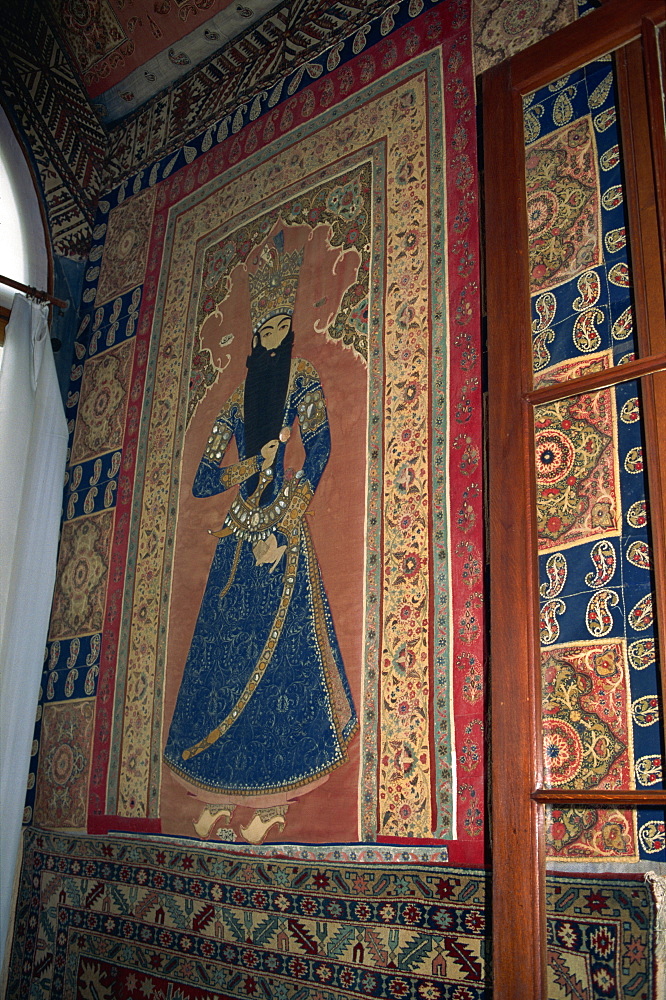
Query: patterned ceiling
{"x": 128, "y": 50}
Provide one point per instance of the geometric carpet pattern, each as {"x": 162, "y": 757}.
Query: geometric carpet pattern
{"x": 116, "y": 917}
{"x": 110, "y": 918}
{"x": 44, "y": 96}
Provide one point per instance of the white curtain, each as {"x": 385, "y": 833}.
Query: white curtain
{"x": 33, "y": 449}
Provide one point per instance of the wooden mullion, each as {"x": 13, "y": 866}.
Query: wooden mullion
{"x": 643, "y": 141}
{"x": 653, "y": 414}
{"x": 518, "y": 798}
{"x": 518, "y": 869}
{"x": 630, "y": 797}
{"x": 640, "y": 192}
{"x": 595, "y": 381}
{"x": 653, "y": 85}
{"x": 615, "y": 24}
{"x": 654, "y": 388}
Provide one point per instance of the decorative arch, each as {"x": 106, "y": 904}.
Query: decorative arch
{"x": 25, "y": 246}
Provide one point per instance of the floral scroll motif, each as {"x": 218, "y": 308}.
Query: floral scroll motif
{"x": 563, "y": 205}
{"x": 587, "y": 744}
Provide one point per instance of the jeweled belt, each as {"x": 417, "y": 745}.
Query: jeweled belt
{"x": 253, "y": 523}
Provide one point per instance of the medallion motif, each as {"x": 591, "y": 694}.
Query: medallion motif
{"x": 580, "y": 747}
{"x": 64, "y": 765}
{"x": 126, "y": 247}
{"x": 587, "y": 744}
{"x": 563, "y": 205}
{"x": 83, "y": 560}
{"x": 576, "y": 494}
{"x": 101, "y": 413}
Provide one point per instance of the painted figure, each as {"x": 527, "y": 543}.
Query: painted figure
{"x": 264, "y": 712}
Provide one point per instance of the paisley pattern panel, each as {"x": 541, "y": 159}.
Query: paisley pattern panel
{"x": 601, "y": 713}
{"x": 579, "y": 272}
{"x": 587, "y": 744}
{"x": 601, "y": 724}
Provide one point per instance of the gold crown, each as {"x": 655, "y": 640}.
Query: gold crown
{"x": 273, "y": 285}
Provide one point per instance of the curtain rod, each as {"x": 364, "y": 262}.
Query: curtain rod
{"x": 33, "y": 292}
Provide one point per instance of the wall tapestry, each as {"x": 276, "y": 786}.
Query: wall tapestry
{"x": 275, "y": 449}
{"x": 268, "y": 621}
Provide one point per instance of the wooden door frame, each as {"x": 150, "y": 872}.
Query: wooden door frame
{"x": 518, "y": 924}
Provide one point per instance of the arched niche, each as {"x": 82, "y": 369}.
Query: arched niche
{"x": 23, "y": 240}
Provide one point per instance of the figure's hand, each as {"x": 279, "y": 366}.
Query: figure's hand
{"x": 268, "y": 452}
{"x": 268, "y": 552}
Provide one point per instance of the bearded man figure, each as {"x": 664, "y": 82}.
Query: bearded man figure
{"x": 264, "y": 712}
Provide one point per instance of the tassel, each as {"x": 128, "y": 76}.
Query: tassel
{"x": 658, "y": 885}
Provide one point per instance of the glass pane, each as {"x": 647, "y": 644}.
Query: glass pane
{"x": 579, "y": 265}
{"x": 600, "y": 681}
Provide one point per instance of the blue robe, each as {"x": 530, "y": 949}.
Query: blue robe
{"x": 264, "y": 704}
